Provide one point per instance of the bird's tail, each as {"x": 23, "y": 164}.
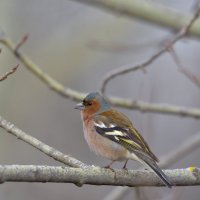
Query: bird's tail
{"x": 152, "y": 164}
{"x": 160, "y": 173}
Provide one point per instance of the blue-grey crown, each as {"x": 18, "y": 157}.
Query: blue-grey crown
{"x": 95, "y": 95}
{"x": 92, "y": 95}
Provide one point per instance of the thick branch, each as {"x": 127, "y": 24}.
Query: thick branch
{"x": 78, "y": 96}
{"x": 96, "y": 176}
{"x": 147, "y": 11}
{"x": 57, "y": 155}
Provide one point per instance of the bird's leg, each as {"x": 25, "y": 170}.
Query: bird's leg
{"x": 124, "y": 167}
{"x": 109, "y": 166}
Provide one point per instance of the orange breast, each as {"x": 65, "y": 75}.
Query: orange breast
{"x": 101, "y": 145}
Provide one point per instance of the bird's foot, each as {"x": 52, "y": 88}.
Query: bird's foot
{"x": 108, "y": 167}
{"x": 124, "y": 167}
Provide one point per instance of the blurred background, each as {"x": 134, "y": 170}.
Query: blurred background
{"x": 77, "y": 45}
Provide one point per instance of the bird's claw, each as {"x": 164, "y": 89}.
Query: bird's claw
{"x": 108, "y": 167}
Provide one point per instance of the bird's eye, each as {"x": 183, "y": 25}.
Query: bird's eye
{"x": 87, "y": 103}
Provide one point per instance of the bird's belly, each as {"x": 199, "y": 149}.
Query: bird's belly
{"x": 103, "y": 146}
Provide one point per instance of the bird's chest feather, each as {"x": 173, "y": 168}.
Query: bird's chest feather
{"x": 101, "y": 145}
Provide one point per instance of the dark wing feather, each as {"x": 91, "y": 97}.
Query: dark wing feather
{"x": 118, "y": 128}
{"x": 118, "y": 135}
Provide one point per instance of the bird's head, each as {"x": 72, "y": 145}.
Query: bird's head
{"x": 93, "y": 103}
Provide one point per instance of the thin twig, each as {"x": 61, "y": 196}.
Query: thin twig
{"x": 126, "y": 69}
{"x": 78, "y": 96}
{"x": 13, "y": 70}
{"x": 191, "y": 76}
{"x": 96, "y": 176}
{"x": 5, "y": 76}
{"x": 21, "y": 42}
{"x": 55, "y": 154}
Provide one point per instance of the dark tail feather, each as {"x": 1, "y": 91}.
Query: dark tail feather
{"x": 152, "y": 164}
{"x": 160, "y": 173}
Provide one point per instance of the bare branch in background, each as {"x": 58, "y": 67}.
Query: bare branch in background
{"x": 5, "y": 76}
{"x": 78, "y": 96}
{"x": 126, "y": 69}
{"x": 192, "y": 77}
{"x": 148, "y": 11}
{"x": 13, "y": 70}
{"x": 51, "y": 152}
{"x": 21, "y": 42}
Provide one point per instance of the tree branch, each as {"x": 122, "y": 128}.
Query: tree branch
{"x": 96, "y": 176}
{"x": 148, "y": 11}
{"x": 5, "y": 76}
{"x": 78, "y": 96}
{"x": 55, "y": 154}
{"x": 191, "y": 76}
{"x": 126, "y": 69}
{"x": 13, "y": 70}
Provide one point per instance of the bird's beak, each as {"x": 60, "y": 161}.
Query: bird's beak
{"x": 80, "y": 106}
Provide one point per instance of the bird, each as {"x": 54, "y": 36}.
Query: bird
{"x": 111, "y": 134}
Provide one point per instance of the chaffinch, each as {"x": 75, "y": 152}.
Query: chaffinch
{"x": 111, "y": 134}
